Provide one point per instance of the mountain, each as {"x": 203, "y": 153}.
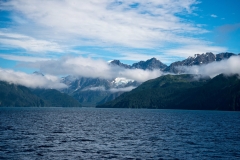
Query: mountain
{"x": 222, "y": 56}
{"x": 150, "y": 64}
{"x": 55, "y": 98}
{"x": 183, "y": 92}
{"x": 198, "y": 59}
{"x": 38, "y": 73}
{"x": 118, "y": 63}
{"x": 93, "y": 91}
{"x": 12, "y": 95}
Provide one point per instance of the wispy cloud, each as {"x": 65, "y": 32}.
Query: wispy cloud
{"x": 15, "y": 40}
{"x": 31, "y": 80}
{"x": 99, "y": 88}
{"x": 128, "y": 23}
{"x": 22, "y": 58}
{"x": 214, "y": 16}
{"x": 126, "y": 89}
{"x": 102, "y": 88}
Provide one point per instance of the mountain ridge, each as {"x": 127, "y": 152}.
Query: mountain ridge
{"x": 197, "y": 59}
{"x": 177, "y": 92}
{"x": 12, "y": 95}
{"x": 95, "y": 91}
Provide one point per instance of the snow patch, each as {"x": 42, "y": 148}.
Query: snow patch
{"x": 121, "y": 81}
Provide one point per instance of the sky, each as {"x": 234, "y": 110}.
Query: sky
{"x": 61, "y": 37}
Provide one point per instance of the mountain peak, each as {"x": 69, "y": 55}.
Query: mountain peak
{"x": 118, "y": 63}
{"x": 38, "y": 73}
{"x": 150, "y": 64}
{"x": 224, "y": 55}
{"x": 153, "y": 59}
{"x": 198, "y": 59}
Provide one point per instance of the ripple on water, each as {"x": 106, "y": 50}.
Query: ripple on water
{"x": 75, "y": 133}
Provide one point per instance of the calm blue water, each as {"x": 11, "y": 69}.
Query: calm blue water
{"x": 81, "y": 133}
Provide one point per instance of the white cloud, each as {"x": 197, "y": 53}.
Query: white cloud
{"x": 28, "y": 43}
{"x": 150, "y": 24}
{"x": 228, "y": 67}
{"x": 214, "y": 16}
{"x": 100, "y": 88}
{"x": 22, "y": 58}
{"x": 87, "y": 67}
{"x": 126, "y": 89}
{"x": 93, "y": 68}
{"x": 31, "y": 80}
{"x": 140, "y": 75}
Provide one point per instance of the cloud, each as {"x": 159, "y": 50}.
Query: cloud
{"x": 214, "y": 16}
{"x": 228, "y": 67}
{"x": 31, "y": 80}
{"x": 22, "y": 58}
{"x": 95, "y": 68}
{"x": 145, "y": 25}
{"x": 102, "y": 88}
{"x": 126, "y": 89}
{"x": 27, "y": 43}
{"x": 139, "y": 75}
{"x": 88, "y": 67}
{"x": 76, "y": 66}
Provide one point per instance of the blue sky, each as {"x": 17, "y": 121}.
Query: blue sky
{"x": 170, "y": 30}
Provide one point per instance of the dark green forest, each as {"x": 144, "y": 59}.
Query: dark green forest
{"x": 12, "y": 95}
{"x": 183, "y": 92}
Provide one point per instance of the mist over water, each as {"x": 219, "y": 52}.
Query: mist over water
{"x": 83, "y": 133}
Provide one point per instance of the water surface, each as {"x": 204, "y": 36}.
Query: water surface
{"x": 82, "y": 133}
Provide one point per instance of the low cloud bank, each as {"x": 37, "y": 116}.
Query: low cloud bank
{"x": 87, "y": 67}
{"x": 126, "y": 89}
{"x": 31, "y": 80}
{"x": 227, "y": 67}
{"x": 102, "y": 88}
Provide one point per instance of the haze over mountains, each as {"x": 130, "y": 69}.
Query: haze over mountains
{"x": 96, "y": 90}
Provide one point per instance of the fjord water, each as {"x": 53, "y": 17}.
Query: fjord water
{"x": 83, "y": 133}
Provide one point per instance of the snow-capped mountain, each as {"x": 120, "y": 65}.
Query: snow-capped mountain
{"x": 93, "y": 91}
{"x": 122, "y": 82}
{"x": 198, "y": 59}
